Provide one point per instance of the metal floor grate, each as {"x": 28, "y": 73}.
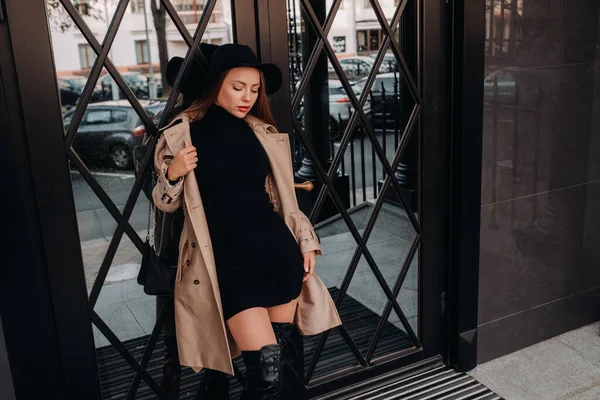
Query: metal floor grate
{"x": 116, "y": 375}
{"x": 438, "y": 383}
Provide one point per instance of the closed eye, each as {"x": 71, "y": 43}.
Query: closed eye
{"x": 239, "y": 89}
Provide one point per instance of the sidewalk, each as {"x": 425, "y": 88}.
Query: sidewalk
{"x": 564, "y": 367}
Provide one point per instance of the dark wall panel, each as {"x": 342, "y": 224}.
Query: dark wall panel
{"x": 540, "y": 199}
{"x": 7, "y": 392}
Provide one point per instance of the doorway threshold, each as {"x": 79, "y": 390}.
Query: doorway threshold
{"x": 425, "y": 380}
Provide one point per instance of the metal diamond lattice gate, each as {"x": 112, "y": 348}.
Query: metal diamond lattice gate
{"x": 365, "y": 210}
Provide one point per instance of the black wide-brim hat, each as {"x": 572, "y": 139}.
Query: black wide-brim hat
{"x": 221, "y": 59}
{"x": 197, "y": 72}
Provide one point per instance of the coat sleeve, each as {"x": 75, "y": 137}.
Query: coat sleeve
{"x": 308, "y": 240}
{"x": 166, "y": 197}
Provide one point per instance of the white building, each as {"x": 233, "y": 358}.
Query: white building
{"x": 355, "y": 31}
{"x": 130, "y": 50}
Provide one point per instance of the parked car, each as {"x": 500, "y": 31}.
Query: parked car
{"x": 138, "y": 84}
{"x": 389, "y": 62}
{"x": 385, "y": 84}
{"x": 106, "y": 132}
{"x": 355, "y": 68}
{"x": 339, "y": 107}
{"x": 71, "y": 87}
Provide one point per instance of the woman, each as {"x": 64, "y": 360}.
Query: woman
{"x": 247, "y": 255}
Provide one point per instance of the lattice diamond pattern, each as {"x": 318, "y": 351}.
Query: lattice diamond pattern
{"x": 358, "y": 117}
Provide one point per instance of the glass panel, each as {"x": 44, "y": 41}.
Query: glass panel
{"x": 122, "y": 303}
{"x": 366, "y": 299}
{"x": 358, "y": 176}
{"x": 390, "y": 244}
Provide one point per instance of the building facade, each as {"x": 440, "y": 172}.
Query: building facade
{"x": 131, "y": 50}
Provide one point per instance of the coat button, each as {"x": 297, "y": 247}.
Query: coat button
{"x": 193, "y": 245}
{"x": 196, "y": 282}
{"x": 187, "y": 262}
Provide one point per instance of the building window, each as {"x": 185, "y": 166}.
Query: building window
{"x": 339, "y": 44}
{"x": 188, "y": 5}
{"x": 374, "y": 40}
{"x": 368, "y": 41}
{"x": 86, "y": 56}
{"x": 141, "y": 51}
{"x": 137, "y": 6}
{"x": 82, "y": 6}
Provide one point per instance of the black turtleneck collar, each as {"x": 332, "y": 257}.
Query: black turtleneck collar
{"x": 216, "y": 111}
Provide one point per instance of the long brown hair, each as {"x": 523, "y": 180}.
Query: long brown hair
{"x": 208, "y": 96}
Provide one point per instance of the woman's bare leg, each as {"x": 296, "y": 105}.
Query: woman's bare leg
{"x": 283, "y": 312}
{"x": 251, "y": 329}
{"x": 253, "y": 332}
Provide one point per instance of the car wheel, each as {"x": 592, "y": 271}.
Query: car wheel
{"x": 120, "y": 157}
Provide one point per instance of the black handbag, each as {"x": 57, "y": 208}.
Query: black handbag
{"x": 157, "y": 274}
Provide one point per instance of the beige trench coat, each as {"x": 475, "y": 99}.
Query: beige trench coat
{"x": 202, "y": 336}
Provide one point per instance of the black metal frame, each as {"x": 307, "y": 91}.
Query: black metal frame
{"x": 43, "y": 298}
{"x": 468, "y": 56}
{"x": 38, "y": 133}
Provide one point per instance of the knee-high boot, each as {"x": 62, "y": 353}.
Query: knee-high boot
{"x": 171, "y": 373}
{"x": 263, "y": 376}
{"x": 292, "y": 350}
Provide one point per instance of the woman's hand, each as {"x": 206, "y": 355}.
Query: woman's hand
{"x": 183, "y": 162}
{"x": 310, "y": 259}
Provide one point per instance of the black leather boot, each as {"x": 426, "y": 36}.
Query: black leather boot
{"x": 214, "y": 386}
{"x": 171, "y": 373}
{"x": 263, "y": 376}
{"x": 292, "y": 354}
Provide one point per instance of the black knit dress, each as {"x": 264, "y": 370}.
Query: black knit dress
{"x": 259, "y": 263}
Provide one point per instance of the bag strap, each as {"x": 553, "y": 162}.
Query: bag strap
{"x": 151, "y": 223}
